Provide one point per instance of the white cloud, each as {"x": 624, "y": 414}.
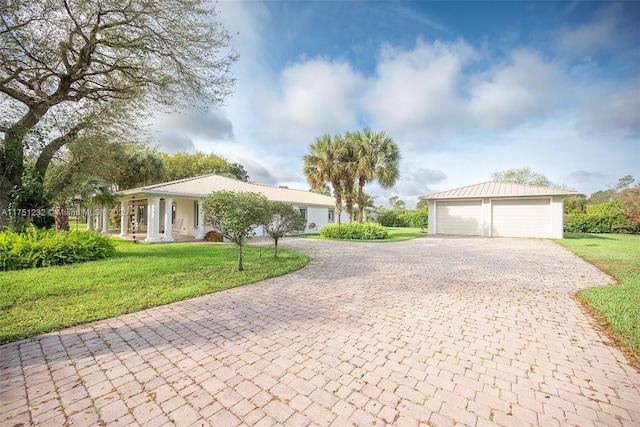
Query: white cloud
{"x": 246, "y": 21}
{"x": 410, "y": 186}
{"x": 418, "y": 89}
{"x": 455, "y": 118}
{"x": 588, "y": 38}
{"x": 177, "y": 131}
{"x": 307, "y": 99}
{"x": 610, "y": 111}
{"x": 587, "y": 177}
{"x": 510, "y": 94}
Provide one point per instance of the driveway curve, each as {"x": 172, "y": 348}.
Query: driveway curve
{"x": 432, "y": 331}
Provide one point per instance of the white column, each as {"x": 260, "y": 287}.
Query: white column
{"x": 200, "y": 235}
{"x": 105, "y": 221}
{"x": 123, "y": 218}
{"x": 432, "y": 217}
{"x": 89, "y": 219}
{"x": 168, "y": 226}
{"x": 149, "y": 212}
{"x": 153, "y": 220}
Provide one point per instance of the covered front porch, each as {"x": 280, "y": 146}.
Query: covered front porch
{"x": 160, "y": 218}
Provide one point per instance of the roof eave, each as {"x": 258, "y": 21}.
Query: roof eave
{"x": 137, "y": 191}
{"x": 497, "y": 196}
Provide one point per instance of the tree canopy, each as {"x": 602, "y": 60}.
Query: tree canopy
{"x": 65, "y": 63}
{"x": 523, "y": 176}
{"x": 282, "y": 219}
{"x": 377, "y": 157}
{"x": 351, "y": 161}
{"x": 185, "y": 165}
{"x": 235, "y": 215}
{"x": 322, "y": 165}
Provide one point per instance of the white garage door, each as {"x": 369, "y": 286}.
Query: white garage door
{"x": 521, "y": 218}
{"x": 459, "y": 217}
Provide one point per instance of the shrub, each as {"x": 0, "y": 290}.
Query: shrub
{"x": 355, "y": 231}
{"x": 44, "y": 248}
{"x": 417, "y": 218}
{"x": 611, "y": 217}
{"x": 213, "y": 236}
{"x": 391, "y": 218}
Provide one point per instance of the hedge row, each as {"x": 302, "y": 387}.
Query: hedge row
{"x": 355, "y": 231}
{"x": 613, "y": 217}
{"x": 403, "y": 217}
{"x": 43, "y": 248}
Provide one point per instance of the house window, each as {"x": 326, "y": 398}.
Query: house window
{"x": 303, "y": 213}
{"x": 332, "y": 215}
{"x": 196, "y": 215}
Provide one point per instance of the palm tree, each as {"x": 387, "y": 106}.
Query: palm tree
{"x": 378, "y": 160}
{"x": 322, "y": 165}
{"x": 322, "y": 189}
{"x": 367, "y": 205}
{"x": 347, "y": 169}
{"x": 96, "y": 194}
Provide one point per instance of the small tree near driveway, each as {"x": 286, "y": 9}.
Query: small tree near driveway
{"x": 282, "y": 218}
{"x": 235, "y": 215}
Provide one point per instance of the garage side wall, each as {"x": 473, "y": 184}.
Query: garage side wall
{"x": 431, "y": 230}
{"x": 557, "y": 217}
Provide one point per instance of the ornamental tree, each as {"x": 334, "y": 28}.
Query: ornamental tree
{"x": 235, "y": 215}
{"x": 282, "y": 219}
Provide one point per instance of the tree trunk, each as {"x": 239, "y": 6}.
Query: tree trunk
{"x": 240, "y": 267}
{"x": 62, "y": 221}
{"x": 11, "y": 165}
{"x": 349, "y": 201}
{"x": 12, "y": 157}
{"x": 4, "y": 210}
{"x": 49, "y": 150}
{"x": 275, "y": 248}
{"x": 61, "y": 216}
{"x": 360, "y": 200}
{"x": 338, "y": 198}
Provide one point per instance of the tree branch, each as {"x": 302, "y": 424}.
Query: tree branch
{"x": 17, "y": 95}
{"x": 52, "y": 147}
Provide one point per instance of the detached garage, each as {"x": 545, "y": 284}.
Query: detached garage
{"x": 498, "y": 209}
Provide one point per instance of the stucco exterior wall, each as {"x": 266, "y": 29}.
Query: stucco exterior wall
{"x": 184, "y": 211}
{"x": 557, "y": 217}
{"x": 318, "y": 215}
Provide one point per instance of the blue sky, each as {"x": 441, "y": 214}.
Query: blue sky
{"x": 465, "y": 88}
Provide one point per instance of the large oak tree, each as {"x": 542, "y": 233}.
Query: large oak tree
{"x": 63, "y": 63}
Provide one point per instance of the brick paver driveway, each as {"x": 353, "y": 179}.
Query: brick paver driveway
{"x": 431, "y": 331}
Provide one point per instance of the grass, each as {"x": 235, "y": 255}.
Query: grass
{"x": 616, "y": 306}
{"x": 139, "y": 276}
{"x": 396, "y": 234}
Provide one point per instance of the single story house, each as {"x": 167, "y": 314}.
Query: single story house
{"x": 498, "y": 209}
{"x": 174, "y": 209}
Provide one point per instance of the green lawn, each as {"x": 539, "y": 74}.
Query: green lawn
{"x": 617, "y": 306}
{"x": 396, "y": 234}
{"x": 139, "y": 276}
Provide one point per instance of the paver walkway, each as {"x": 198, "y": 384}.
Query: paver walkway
{"x": 433, "y": 332}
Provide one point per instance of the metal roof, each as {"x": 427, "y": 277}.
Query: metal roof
{"x": 498, "y": 189}
{"x": 202, "y": 186}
